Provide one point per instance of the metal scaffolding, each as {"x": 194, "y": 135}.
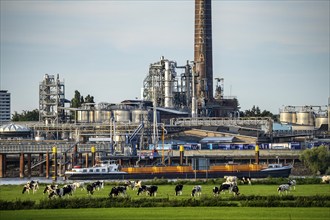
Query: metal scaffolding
{"x": 51, "y": 100}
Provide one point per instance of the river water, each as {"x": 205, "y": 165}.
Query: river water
{"x": 21, "y": 181}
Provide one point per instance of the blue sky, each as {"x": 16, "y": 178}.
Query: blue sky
{"x": 270, "y": 53}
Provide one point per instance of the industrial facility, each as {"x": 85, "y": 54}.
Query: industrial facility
{"x": 179, "y": 105}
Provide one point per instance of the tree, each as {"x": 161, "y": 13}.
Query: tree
{"x": 317, "y": 159}
{"x": 76, "y": 101}
{"x": 26, "y": 116}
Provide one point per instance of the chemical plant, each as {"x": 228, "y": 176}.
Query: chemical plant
{"x": 177, "y": 107}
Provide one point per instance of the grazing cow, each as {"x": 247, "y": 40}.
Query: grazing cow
{"x": 326, "y": 179}
{"x": 98, "y": 185}
{"x": 246, "y": 180}
{"x": 197, "y": 190}
{"x": 129, "y": 184}
{"x": 235, "y": 190}
{"x": 137, "y": 185}
{"x": 66, "y": 190}
{"x": 31, "y": 185}
{"x": 178, "y": 189}
{"x": 80, "y": 185}
{"x": 226, "y": 186}
{"x": 90, "y": 189}
{"x": 216, "y": 191}
{"x": 115, "y": 191}
{"x": 230, "y": 179}
{"x": 142, "y": 189}
{"x": 292, "y": 184}
{"x": 283, "y": 188}
{"x": 152, "y": 190}
{"x": 50, "y": 188}
{"x": 149, "y": 190}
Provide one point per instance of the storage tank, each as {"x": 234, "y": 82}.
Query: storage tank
{"x": 102, "y": 115}
{"x": 321, "y": 120}
{"x": 90, "y": 115}
{"x": 106, "y": 115}
{"x": 305, "y": 118}
{"x": 98, "y": 116}
{"x": 139, "y": 115}
{"x": 82, "y": 116}
{"x": 121, "y": 115}
{"x": 288, "y": 117}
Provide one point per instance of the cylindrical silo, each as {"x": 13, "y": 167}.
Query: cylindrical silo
{"x": 90, "y": 116}
{"x": 82, "y": 116}
{"x": 305, "y": 118}
{"x": 139, "y": 115}
{"x": 288, "y": 117}
{"x": 321, "y": 120}
{"x": 121, "y": 115}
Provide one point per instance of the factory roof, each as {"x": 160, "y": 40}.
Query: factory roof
{"x": 217, "y": 139}
{"x": 13, "y": 128}
{"x": 173, "y": 111}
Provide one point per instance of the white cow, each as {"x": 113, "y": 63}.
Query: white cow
{"x": 230, "y": 179}
{"x": 283, "y": 188}
{"x": 326, "y": 179}
{"x": 80, "y": 185}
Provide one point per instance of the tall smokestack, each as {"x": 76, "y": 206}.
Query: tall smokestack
{"x": 203, "y": 51}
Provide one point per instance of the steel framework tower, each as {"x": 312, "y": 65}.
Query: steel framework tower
{"x": 51, "y": 99}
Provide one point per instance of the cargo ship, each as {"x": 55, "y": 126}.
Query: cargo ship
{"x": 114, "y": 171}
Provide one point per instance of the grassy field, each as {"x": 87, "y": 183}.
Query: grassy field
{"x": 192, "y": 213}
{"x": 14, "y": 192}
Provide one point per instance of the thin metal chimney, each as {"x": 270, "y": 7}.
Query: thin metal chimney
{"x": 203, "y": 51}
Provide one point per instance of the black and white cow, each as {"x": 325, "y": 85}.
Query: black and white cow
{"x": 152, "y": 190}
{"x": 283, "y": 188}
{"x": 117, "y": 190}
{"x": 66, "y": 190}
{"x": 142, "y": 189}
{"x": 31, "y": 185}
{"x": 245, "y": 180}
{"x": 226, "y": 186}
{"x": 178, "y": 189}
{"x": 90, "y": 189}
{"x": 98, "y": 185}
{"x": 129, "y": 184}
{"x": 292, "y": 184}
{"x": 216, "y": 191}
{"x": 50, "y": 188}
{"x": 149, "y": 190}
{"x": 197, "y": 190}
{"x": 235, "y": 190}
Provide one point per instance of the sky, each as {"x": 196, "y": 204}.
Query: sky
{"x": 270, "y": 53}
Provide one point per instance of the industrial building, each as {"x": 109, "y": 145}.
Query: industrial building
{"x": 4, "y": 107}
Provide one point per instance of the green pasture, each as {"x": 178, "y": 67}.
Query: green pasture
{"x": 198, "y": 213}
{"x": 14, "y": 192}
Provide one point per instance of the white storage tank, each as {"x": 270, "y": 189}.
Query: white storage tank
{"x": 139, "y": 116}
{"x": 305, "y": 118}
{"x": 82, "y": 116}
{"x": 122, "y": 115}
{"x": 321, "y": 120}
{"x": 288, "y": 117}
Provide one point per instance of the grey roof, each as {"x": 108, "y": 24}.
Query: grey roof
{"x": 14, "y": 128}
{"x": 217, "y": 140}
